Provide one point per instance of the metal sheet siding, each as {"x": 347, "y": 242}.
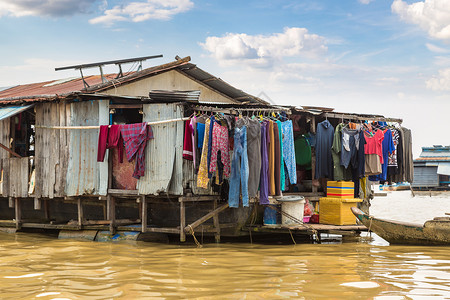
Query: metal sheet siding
{"x": 9, "y": 111}
{"x": 82, "y": 173}
{"x": 103, "y": 117}
{"x": 425, "y": 177}
{"x": 163, "y": 156}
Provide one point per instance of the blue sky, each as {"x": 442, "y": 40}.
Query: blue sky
{"x": 368, "y": 56}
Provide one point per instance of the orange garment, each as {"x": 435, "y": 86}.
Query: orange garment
{"x": 271, "y": 160}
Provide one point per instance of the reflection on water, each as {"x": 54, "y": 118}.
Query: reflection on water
{"x": 39, "y": 267}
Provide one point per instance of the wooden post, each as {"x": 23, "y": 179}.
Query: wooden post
{"x": 80, "y": 213}
{"x": 313, "y": 154}
{"x": 216, "y": 223}
{"x": 10, "y": 202}
{"x": 182, "y": 220}
{"x": 37, "y": 204}
{"x": 46, "y": 209}
{"x": 18, "y": 213}
{"x": 112, "y": 214}
{"x": 144, "y": 213}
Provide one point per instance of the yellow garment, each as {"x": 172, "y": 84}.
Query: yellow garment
{"x": 363, "y": 183}
{"x": 202, "y": 176}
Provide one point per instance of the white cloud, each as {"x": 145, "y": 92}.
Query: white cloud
{"x": 142, "y": 11}
{"x": 436, "y": 49}
{"x": 440, "y": 82}
{"x": 263, "y": 50}
{"x": 431, "y": 15}
{"x": 21, "y": 8}
{"x": 365, "y": 1}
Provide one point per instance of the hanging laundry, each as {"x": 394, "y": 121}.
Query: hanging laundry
{"x": 277, "y": 149}
{"x": 324, "y": 141}
{"x": 339, "y": 171}
{"x": 282, "y": 176}
{"x": 239, "y": 169}
{"x": 264, "y": 182}
{"x": 387, "y": 148}
{"x": 220, "y": 143}
{"x": 202, "y": 176}
{"x": 373, "y": 152}
{"x": 253, "y": 153}
{"x": 136, "y": 137}
{"x": 109, "y": 137}
{"x": 188, "y": 151}
{"x": 289, "y": 155}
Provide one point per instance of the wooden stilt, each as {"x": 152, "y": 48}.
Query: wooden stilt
{"x": 80, "y": 213}
{"x": 112, "y": 214}
{"x": 216, "y": 223}
{"x": 18, "y": 213}
{"x": 182, "y": 221}
{"x": 144, "y": 213}
{"x": 37, "y": 204}
{"x": 46, "y": 210}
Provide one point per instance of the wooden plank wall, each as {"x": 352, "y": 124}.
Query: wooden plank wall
{"x": 18, "y": 176}
{"x": 5, "y": 128}
{"x": 51, "y": 149}
{"x": 163, "y": 156}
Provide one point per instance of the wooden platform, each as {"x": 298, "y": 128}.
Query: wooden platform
{"x": 309, "y": 229}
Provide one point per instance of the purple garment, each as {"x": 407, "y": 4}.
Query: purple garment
{"x": 387, "y": 147}
{"x": 264, "y": 183}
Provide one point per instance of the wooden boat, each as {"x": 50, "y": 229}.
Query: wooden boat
{"x": 433, "y": 232}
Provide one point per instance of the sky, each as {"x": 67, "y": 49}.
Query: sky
{"x": 388, "y": 57}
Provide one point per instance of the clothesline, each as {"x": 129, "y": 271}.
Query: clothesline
{"x": 98, "y": 126}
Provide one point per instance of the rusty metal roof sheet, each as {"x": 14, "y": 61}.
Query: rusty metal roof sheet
{"x": 57, "y": 89}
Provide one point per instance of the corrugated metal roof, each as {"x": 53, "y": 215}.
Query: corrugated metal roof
{"x": 7, "y": 112}
{"x": 160, "y": 95}
{"x": 55, "y": 89}
{"x": 444, "y": 169}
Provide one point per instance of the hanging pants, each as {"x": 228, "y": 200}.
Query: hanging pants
{"x": 264, "y": 182}
{"x": 253, "y": 153}
{"x": 289, "y": 150}
{"x": 239, "y": 169}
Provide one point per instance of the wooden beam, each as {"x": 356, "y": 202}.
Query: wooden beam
{"x": 205, "y": 217}
{"x": 112, "y": 214}
{"x": 216, "y": 224}
{"x": 144, "y": 213}
{"x": 182, "y": 221}
{"x": 125, "y": 106}
{"x": 80, "y": 213}
{"x": 10, "y": 202}
{"x": 198, "y": 198}
{"x": 123, "y": 192}
{"x": 37, "y": 204}
{"x": 10, "y": 151}
{"x": 18, "y": 213}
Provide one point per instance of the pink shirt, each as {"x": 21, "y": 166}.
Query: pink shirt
{"x": 374, "y": 144}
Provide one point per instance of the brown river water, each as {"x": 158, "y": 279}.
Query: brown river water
{"x": 41, "y": 267}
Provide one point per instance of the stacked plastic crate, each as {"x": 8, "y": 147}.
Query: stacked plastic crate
{"x": 335, "y": 207}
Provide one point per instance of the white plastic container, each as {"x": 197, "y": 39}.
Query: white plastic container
{"x": 292, "y": 206}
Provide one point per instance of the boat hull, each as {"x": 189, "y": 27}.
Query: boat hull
{"x": 434, "y": 232}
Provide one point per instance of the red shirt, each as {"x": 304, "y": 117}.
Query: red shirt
{"x": 374, "y": 144}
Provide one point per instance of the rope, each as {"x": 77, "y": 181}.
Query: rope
{"x": 292, "y": 237}
{"x": 193, "y": 235}
{"x": 313, "y": 231}
{"x": 98, "y": 126}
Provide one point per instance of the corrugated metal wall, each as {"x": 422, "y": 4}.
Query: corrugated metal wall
{"x": 425, "y": 176}
{"x": 163, "y": 156}
{"x": 51, "y": 149}
{"x": 83, "y": 170}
